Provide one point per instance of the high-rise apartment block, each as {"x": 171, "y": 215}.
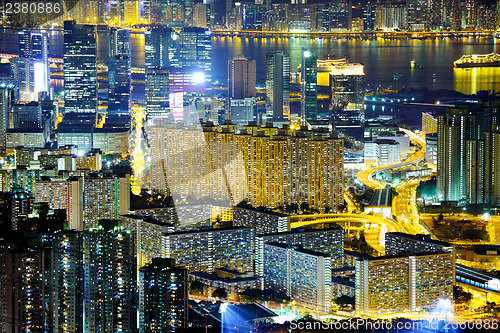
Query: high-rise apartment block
{"x": 395, "y": 284}
{"x": 261, "y": 159}
{"x": 207, "y": 249}
{"x": 398, "y": 243}
{"x": 327, "y": 241}
{"x": 105, "y": 197}
{"x": 467, "y": 155}
{"x": 163, "y": 297}
{"x": 80, "y": 68}
{"x": 277, "y": 85}
{"x": 64, "y": 194}
{"x": 262, "y": 221}
{"x": 304, "y": 275}
{"x": 148, "y": 236}
{"x": 110, "y": 296}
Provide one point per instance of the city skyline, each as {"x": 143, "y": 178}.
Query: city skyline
{"x": 227, "y": 166}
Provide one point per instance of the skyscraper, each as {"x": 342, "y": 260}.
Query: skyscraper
{"x": 160, "y": 47}
{"x": 466, "y": 148}
{"x": 163, "y": 297}
{"x": 119, "y": 72}
{"x": 80, "y": 68}
{"x": 277, "y": 85}
{"x": 195, "y": 49}
{"x": 32, "y": 68}
{"x": 308, "y": 85}
{"x": 105, "y": 197}
{"x": 6, "y": 100}
{"x": 27, "y": 115}
{"x": 110, "y": 297}
{"x": 157, "y": 91}
{"x": 242, "y": 77}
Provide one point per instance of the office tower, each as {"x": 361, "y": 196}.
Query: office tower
{"x": 119, "y": 72}
{"x": 304, "y": 275}
{"x": 261, "y": 159}
{"x": 131, "y": 12}
{"x": 207, "y": 249}
{"x": 369, "y": 14}
{"x": 26, "y": 289}
{"x": 195, "y": 50}
{"x": 277, "y": 85}
{"x": 200, "y": 15}
{"x": 308, "y": 85}
{"x": 340, "y": 15}
{"x": 64, "y": 194}
{"x": 346, "y": 82}
{"x": 110, "y": 297}
{"x": 242, "y": 77}
{"x": 462, "y": 163}
{"x": 329, "y": 241}
{"x": 148, "y": 236}
{"x": 105, "y": 197}
{"x": 418, "y": 15}
{"x": 80, "y": 68}
{"x": 431, "y": 150}
{"x": 157, "y": 92}
{"x": 243, "y": 111}
{"x": 27, "y": 115}
{"x": 67, "y": 280}
{"x": 17, "y": 204}
{"x": 398, "y": 243}
{"x": 163, "y": 297}
{"x": 160, "y": 47}
{"x": 6, "y": 101}
{"x": 32, "y": 68}
{"x": 395, "y": 284}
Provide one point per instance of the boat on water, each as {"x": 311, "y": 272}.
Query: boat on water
{"x": 478, "y": 60}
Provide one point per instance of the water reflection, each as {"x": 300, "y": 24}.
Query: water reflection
{"x": 471, "y": 80}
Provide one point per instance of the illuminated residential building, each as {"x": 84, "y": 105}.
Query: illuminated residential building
{"x": 17, "y": 204}
{"x": 429, "y": 123}
{"x": 68, "y": 273}
{"x": 261, "y": 158}
{"x": 242, "y": 78}
{"x": 119, "y": 72}
{"x": 80, "y": 68}
{"x": 277, "y": 85}
{"x": 391, "y": 15}
{"x": 131, "y": 12}
{"x": 110, "y": 296}
{"x": 29, "y": 138}
{"x": 465, "y": 164}
{"x": 207, "y": 249}
{"x": 163, "y": 297}
{"x": 395, "y": 284}
{"x": 105, "y": 197}
{"x": 304, "y": 275}
{"x": 148, "y": 236}
{"x": 308, "y": 85}
{"x": 63, "y": 194}
{"x": 398, "y": 243}
{"x": 111, "y": 139}
{"x": 431, "y": 150}
{"x": 261, "y": 221}
{"x": 26, "y": 291}
{"x": 492, "y": 165}
{"x": 328, "y": 241}
{"x": 233, "y": 282}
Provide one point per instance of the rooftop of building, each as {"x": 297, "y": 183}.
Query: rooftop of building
{"x": 399, "y": 256}
{"x": 147, "y": 219}
{"x": 215, "y": 277}
{"x": 300, "y": 230}
{"x": 418, "y": 237}
{"x": 261, "y": 209}
{"x": 342, "y": 281}
{"x": 299, "y": 248}
{"x": 206, "y": 230}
